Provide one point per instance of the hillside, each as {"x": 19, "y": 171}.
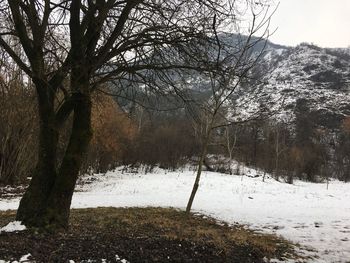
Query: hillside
{"x": 319, "y": 76}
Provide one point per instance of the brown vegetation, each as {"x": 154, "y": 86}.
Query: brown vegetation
{"x": 18, "y": 128}
{"x": 113, "y": 132}
{"x": 144, "y": 235}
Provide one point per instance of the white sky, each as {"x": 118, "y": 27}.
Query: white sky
{"x": 325, "y": 23}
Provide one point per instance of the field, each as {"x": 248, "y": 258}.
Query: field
{"x": 315, "y": 216}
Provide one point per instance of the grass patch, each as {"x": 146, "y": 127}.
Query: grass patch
{"x": 144, "y": 235}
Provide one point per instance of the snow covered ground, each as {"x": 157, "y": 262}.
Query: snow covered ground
{"x": 307, "y": 213}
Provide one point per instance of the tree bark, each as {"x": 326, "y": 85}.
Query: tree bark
{"x": 33, "y": 203}
{"x": 46, "y": 203}
{"x": 58, "y": 207}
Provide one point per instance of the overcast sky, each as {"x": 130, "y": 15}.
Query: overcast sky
{"x": 325, "y": 23}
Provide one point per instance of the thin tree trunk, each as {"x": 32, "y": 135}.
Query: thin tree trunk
{"x": 277, "y": 151}
{"x": 200, "y": 164}
{"x": 198, "y": 176}
{"x": 255, "y": 146}
{"x": 230, "y": 147}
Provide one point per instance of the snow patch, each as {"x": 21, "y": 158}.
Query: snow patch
{"x": 14, "y": 226}
{"x": 24, "y": 258}
{"x": 118, "y": 259}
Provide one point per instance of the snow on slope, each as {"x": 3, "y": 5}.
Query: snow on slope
{"x": 307, "y": 213}
{"x": 321, "y": 76}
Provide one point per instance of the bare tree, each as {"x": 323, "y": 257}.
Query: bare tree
{"x": 67, "y": 49}
{"x": 232, "y": 63}
{"x": 280, "y": 146}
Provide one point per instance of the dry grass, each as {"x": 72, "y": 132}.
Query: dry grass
{"x": 175, "y": 224}
{"x": 172, "y": 225}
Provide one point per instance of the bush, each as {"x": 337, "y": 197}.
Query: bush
{"x": 18, "y": 129}
{"x": 168, "y": 144}
{"x": 113, "y": 133}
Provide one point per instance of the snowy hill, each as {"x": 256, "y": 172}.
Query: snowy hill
{"x": 319, "y": 76}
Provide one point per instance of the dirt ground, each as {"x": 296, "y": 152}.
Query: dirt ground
{"x": 142, "y": 235}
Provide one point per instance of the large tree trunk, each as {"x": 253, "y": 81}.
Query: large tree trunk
{"x": 59, "y": 202}
{"x": 46, "y": 203}
{"x": 33, "y": 203}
